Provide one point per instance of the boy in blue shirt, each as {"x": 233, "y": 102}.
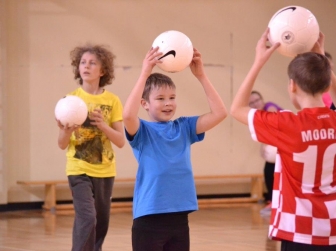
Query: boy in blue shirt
{"x": 164, "y": 191}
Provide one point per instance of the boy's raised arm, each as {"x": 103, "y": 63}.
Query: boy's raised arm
{"x": 240, "y": 108}
{"x": 132, "y": 105}
{"x": 218, "y": 111}
{"x": 319, "y": 48}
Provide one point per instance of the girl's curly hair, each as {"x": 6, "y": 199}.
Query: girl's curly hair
{"x": 105, "y": 56}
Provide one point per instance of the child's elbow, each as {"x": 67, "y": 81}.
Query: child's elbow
{"x": 223, "y": 114}
{"x": 126, "y": 116}
{"x": 121, "y": 144}
{"x": 233, "y": 112}
{"x": 126, "y": 119}
{"x": 239, "y": 114}
{"x": 62, "y": 146}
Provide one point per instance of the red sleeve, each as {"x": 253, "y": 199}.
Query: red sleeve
{"x": 263, "y": 126}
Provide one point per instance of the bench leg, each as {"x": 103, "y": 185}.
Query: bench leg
{"x": 257, "y": 188}
{"x": 50, "y": 197}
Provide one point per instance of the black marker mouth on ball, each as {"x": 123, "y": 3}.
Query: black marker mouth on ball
{"x": 172, "y": 52}
{"x": 289, "y": 8}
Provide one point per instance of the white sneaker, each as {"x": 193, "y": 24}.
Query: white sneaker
{"x": 266, "y": 210}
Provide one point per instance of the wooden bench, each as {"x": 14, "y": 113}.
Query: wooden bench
{"x": 256, "y": 187}
{"x": 49, "y": 191}
{"x": 256, "y": 191}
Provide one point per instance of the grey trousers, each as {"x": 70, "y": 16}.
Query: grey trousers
{"x": 92, "y": 202}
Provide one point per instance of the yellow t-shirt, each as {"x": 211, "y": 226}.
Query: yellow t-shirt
{"x": 90, "y": 151}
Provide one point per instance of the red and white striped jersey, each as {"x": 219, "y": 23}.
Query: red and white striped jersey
{"x": 304, "y": 192}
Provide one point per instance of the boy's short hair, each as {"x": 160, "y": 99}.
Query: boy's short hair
{"x": 156, "y": 80}
{"x": 311, "y": 72}
{"x": 103, "y": 54}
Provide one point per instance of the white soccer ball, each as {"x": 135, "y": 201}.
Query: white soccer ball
{"x": 71, "y": 110}
{"x": 295, "y": 28}
{"x": 177, "y": 50}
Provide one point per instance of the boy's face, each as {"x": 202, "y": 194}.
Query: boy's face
{"x": 161, "y": 106}
{"x": 90, "y": 68}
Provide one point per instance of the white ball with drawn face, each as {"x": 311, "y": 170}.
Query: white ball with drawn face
{"x": 177, "y": 50}
{"x": 71, "y": 110}
{"x": 295, "y": 28}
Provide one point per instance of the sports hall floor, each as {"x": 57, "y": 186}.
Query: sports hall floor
{"x": 225, "y": 227}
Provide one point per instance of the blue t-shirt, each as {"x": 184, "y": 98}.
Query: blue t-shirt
{"x": 164, "y": 181}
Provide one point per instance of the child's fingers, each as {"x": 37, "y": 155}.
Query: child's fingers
{"x": 321, "y": 37}
{"x": 319, "y": 45}
{"x": 153, "y": 50}
{"x": 196, "y": 59}
{"x": 275, "y": 46}
{"x": 154, "y": 54}
{"x": 264, "y": 36}
{"x": 96, "y": 115}
{"x": 196, "y": 54}
{"x": 59, "y": 124}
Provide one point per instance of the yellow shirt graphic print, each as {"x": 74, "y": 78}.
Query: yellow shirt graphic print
{"x": 92, "y": 145}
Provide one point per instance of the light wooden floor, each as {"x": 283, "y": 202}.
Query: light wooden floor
{"x": 229, "y": 227}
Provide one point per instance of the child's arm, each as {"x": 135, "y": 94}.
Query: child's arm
{"x": 115, "y": 133}
{"x": 218, "y": 111}
{"x": 240, "y": 108}
{"x": 319, "y": 48}
{"x": 64, "y": 134}
{"x": 132, "y": 105}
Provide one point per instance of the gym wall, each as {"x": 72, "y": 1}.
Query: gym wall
{"x": 36, "y": 37}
